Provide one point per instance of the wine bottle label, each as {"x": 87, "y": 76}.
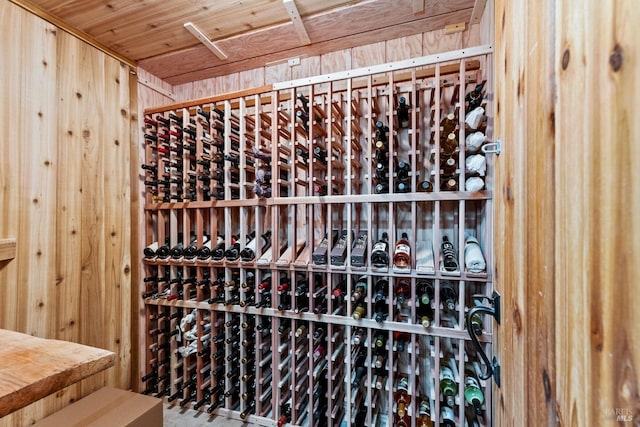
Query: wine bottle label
{"x": 446, "y": 374}
{"x": 447, "y": 414}
{"x": 471, "y": 382}
{"x": 403, "y": 249}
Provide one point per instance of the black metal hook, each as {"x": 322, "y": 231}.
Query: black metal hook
{"x": 493, "y": 367}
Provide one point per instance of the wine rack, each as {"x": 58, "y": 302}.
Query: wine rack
{"x": 312, "y": 249}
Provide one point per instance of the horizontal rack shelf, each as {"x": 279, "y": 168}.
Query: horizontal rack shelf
{"x": 324, "y": 318}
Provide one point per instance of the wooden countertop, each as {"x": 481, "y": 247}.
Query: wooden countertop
{"x": 32, "y": 368}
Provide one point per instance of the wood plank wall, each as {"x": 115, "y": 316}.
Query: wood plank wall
{"x": 566, "y": 220}
{"x": 66, "y": 117}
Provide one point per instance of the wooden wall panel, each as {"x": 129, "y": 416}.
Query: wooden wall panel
{"x": 566, "y": 212}
{"x": 403, "y": 48}
{"x": 335, "y": 61}
{"x": 371, "y": 54}
{"x": 308, "y": 67}
{"x": 598, "y": 128}
{"x": 65, "y": 196}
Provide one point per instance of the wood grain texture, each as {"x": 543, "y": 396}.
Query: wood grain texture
{"x": 403, "y": 48}
{"x": 565, "y": 218}
{"x": 521, "y": 238}
{"x": 143, "y": 29}
{"x": 46, "y": 366}
{"x": 256, "y": 49}
{"x": 598, "y": 347}
{"x": 63, "y": 195}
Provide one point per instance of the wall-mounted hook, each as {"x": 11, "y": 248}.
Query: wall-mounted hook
{"x": 493, "y": 367}
{"x": 492, "y": 147}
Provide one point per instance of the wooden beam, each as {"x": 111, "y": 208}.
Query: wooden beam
{"x": 454, "y": 28}
{"x": 418, "y": 7}
{"x": 292, "y": 9}
{"x": 38, "y": 11}
{"x": 205, "y": 41}
{"x": 478, "y": 11}
{"x": 7, "y": 249}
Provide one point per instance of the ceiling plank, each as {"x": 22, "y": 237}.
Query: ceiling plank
{"x": 205, "y": 41}
{"x": 189, "y": 65}
{"x": 296, "y": 19}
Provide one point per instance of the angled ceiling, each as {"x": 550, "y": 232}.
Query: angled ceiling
{"x": 250, "y": 33}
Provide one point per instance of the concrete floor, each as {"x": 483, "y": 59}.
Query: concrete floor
{"x": 175, "y": 416}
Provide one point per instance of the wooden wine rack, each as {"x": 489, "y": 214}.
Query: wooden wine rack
{"x": 300, "y": 198}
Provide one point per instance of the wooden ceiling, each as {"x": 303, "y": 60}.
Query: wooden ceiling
{"x": 251, "y": 33}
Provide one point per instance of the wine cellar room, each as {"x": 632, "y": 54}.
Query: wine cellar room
{"x": 326, "y": 213}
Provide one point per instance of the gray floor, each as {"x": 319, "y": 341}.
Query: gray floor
{"x": 175, "y": 416}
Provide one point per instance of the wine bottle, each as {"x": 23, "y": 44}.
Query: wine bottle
{"x": 447, "y": 125}
{"x": 474, "y": 97}
{"x": 359, "y": 250}
{"x": 401, "y": 396}
{"x": 402, "y": 290}
{"x": 233, "y": 252}
{"x": 402, "y": 253}
{"x": 473, "y": 259}
{"x": 150, "y": 251}
{"x": 248, "y": 253}
{"x": 380, "y": 301}
{"x": 448, "y": 295}
{"x": 382, "y": 188}
{"x": 357, "y": 336}
{"x": 424, "y": 414}
{"x": 340, "y": 289}
{"x": 360, "y": 289}
{"x": 381, "y": 132}
{"x": 403, "y": 112}
{"x": 449, "y": 144}
{"x": 449, "y": 184}
{"x": 359, "y": 311}
{"x": 425, "y": 291}
{"x": 449, "y": 256}
{"x": 319, "y": 255}
{"x": 448, "y": 386}
{"x": 204, "y": 251}
{"x": 302, "y": 330}
{"x": 448, "y": 165}
{"x": 360, "y": 370}
{"x": 472, "y": 392}
{"x": 339, "y": 251}
{"x": 425, "y": 186}
{"x": 402, "y": 171}
{"x": 217, "y": 253}
{"x": 380, "y": 252}
{"x": 164, "y": 251}
{"x": 447, "y": 417}
{"x": 424, "y": 315}
{"x": 474, "y": 118}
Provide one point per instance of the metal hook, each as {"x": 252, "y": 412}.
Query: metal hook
{"x": 493, "y": 367}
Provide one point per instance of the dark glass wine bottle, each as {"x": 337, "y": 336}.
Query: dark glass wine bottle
{"x": 380, "y": 252}
{"x": 403, "y": 112}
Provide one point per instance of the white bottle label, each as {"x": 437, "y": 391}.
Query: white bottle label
{"x": 402, "y": 248}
